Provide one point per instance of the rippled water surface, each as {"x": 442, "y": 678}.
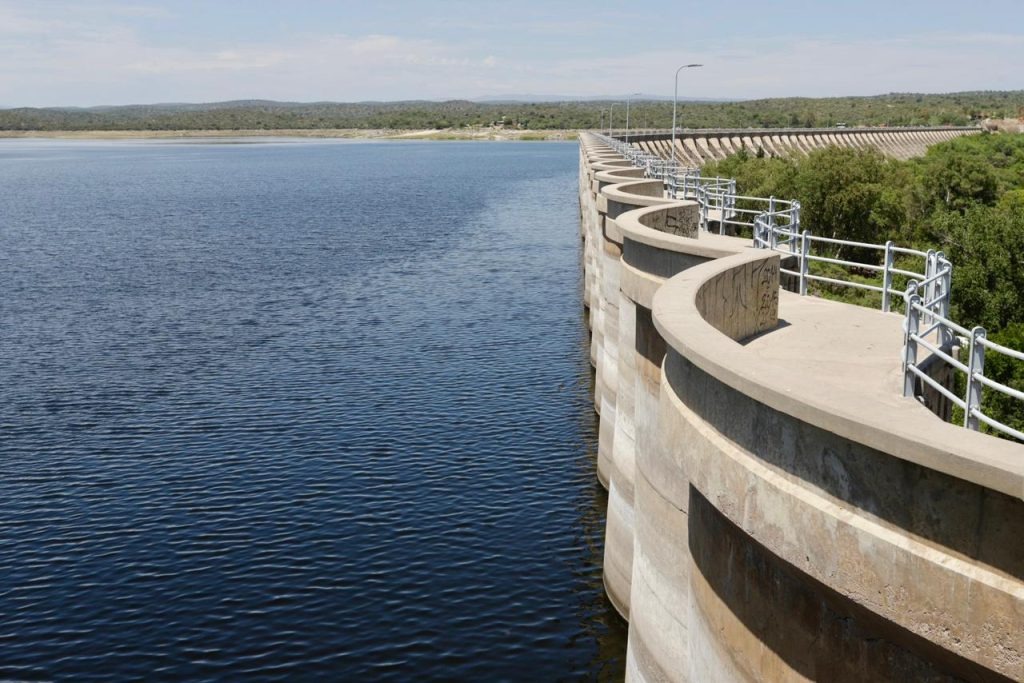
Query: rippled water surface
{"x": 296, "y": 411}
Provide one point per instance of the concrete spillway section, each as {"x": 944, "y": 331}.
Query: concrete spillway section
{"x": 703, "y": 146}
{"x": 777, "y": 510}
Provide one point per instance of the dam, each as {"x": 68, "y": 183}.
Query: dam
{"x": 698, "y": 147}
{"x": 787, "y": 498}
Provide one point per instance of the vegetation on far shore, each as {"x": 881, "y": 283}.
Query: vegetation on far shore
{"x": 474, "y": 133}
{"x": 895, "y": 109}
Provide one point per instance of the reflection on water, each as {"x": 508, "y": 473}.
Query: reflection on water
{"x": 297, "y": 411}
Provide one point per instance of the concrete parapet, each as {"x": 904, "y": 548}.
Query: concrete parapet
{"x": 742, "y": 300}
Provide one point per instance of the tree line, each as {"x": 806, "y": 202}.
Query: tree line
{"x": 964, "y": 197}
{"x": 895, "y": 109}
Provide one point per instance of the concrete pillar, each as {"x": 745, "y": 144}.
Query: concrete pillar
{"x": 658, "y": 645}
{"x": 618, "y": 555}
{"x": 607, "y": 353}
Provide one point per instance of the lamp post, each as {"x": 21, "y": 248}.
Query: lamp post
{"x": 600, "y": 125}
{"x": 675, "y": 98}
{"x": 628, "y": 97}
{"x": 611, "y": 108}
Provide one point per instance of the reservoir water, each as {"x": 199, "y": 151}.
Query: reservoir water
{"x": 297, "y": 410}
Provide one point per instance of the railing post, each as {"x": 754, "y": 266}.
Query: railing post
{"x": 723, "y": 203}
{"x": 912, "y": 327}
{"x": 702, "y": 197}
{"x": 929, "y": 288}
{"x": 947, "y": 287}
{"x": 945, "y": 284}
{"x": 805, "y": 247}
{"x": 887, "y": 277}
{"x": 731, "y": 200}
{"x": 794, "y": 225}
{"x": 975, "y": 366}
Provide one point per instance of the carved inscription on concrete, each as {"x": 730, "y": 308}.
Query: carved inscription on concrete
{"x": 744, "y": 300}
{"x": 675, "y": 220}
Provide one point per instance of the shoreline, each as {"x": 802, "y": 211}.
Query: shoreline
{"x": 487, "y": 134}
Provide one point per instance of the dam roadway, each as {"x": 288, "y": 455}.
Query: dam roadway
{"x": 777, "y": 509}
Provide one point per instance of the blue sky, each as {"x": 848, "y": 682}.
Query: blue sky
{"x": 90, "y": 52}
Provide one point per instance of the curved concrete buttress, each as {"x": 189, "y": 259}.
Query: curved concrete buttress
{"x": 616, "y": 200}
{"x": 777, "y": 144}
{"x": 685, "y": 148}
{"x": 658, "y": 242}
{"x": 715, "y": 144}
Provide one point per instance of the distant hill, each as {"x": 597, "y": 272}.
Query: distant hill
{"x": 510, "y": 99}
{"x": 894, "y": 109}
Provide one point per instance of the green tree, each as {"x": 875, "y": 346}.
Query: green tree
{"x": 956, "y": 179}
{"x": 986, "y": 247}
{"x": 1008, "y": 372}
{"x": 844, "y": 195}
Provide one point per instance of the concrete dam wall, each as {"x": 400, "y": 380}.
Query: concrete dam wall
{"x": 694, "y": 148}
{"x": 777, "y": 510}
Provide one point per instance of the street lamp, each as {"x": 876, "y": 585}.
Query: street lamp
{"x": 675, "y": 97}
{"x": 611, "y": 107}
{"x": 600, "y": 126}
{"x": 627, "y": 114}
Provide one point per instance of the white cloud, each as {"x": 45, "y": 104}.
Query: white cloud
{"x": 791, "y": 66}
{"x": 71, "y": 53}
{"x": 48, "y": 61}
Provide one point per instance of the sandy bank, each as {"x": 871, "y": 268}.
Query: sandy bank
{"x": 349, "y": 133}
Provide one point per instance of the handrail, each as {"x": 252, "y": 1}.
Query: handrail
{"x": 945, "y": 349}
{"x": 776, "y": 226}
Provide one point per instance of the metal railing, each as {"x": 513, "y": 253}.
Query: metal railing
{"x": 776, "y": 225}
{"x": 935, "y": 272}
{"x": 740, "y": 212}
{"x": 719, "y": 202}
{"x": 943, "y": 338}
